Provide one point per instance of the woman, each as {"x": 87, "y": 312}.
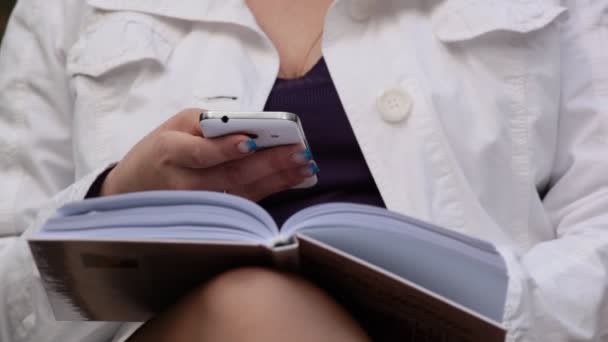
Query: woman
{"x": 486, "y": 117}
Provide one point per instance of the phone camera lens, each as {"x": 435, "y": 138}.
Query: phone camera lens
{"x": 225, "y": 119}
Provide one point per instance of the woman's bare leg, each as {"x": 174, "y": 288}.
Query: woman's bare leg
{"x": 253, "y": 304}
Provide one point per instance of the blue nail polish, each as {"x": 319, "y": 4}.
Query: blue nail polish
{"x": 251, "y": 145}
{"x": 307, "y": 154}
{"x": 314, "y": 168}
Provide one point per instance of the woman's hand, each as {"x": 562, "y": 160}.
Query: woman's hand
{"x": 176, "y": 156}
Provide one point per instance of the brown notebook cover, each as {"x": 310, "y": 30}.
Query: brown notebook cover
{"x": 133, "y": 280}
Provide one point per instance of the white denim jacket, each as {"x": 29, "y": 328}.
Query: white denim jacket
{"x": 489, "y": 117}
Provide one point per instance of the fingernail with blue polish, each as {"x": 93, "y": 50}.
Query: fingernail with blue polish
{"x": 302, "y": 157}
{"x": 247, "y": 146}
{"x": 310, "y": 170}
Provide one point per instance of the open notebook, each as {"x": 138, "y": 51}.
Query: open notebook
{"x": 128, "y": 257}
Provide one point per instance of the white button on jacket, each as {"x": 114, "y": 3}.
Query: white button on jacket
{"x": 395, "y": 105}
{"x": 486, "y": 117}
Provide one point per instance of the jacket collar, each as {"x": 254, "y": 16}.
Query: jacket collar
{"x": 216, "y": 11}
{"x": 452, "y": 20}
{"x": 455, "y": 20}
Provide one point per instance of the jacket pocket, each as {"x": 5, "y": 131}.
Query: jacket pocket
{"x": 120, "y": 38}
{"x": 115, "y": 51}
{"x": 117, "y": 66}
{"x": 460, "y": 20}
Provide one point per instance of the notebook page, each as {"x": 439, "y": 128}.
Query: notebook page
{"x": 360, "y": 216}
{"x": 162, "y": 215}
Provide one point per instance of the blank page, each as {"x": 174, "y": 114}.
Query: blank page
{"x": 171, "y": 215}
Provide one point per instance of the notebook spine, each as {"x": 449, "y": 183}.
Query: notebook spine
{"x": 286, "y": 256}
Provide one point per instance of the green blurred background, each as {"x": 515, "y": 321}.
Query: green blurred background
{"x": 5, "y": 10}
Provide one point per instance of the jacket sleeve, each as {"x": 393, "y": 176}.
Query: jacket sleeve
{"x": 559, "y": 289}
{"x": 36, "y": 167}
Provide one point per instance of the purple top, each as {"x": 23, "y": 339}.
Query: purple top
{"x": 344, "y": 175}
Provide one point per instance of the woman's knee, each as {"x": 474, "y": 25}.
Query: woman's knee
{"x": 255, "y": 290}
{"x": 256, "y": 304}
{"x": 276, "y": 306}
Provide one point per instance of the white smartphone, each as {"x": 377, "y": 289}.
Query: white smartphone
{"x": 267, "y": 129}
